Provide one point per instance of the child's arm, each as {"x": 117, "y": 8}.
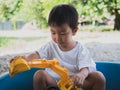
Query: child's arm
{"x": 29, "y": 57}
{"x": 79, "y": 78}
{"x": 32, "y": 56}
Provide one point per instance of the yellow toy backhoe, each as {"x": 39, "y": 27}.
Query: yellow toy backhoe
{"x": 19, "y": 64}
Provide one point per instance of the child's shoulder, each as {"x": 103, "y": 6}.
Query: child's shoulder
{"x": 81, "y": 46}
{"x": 50, "y": 44}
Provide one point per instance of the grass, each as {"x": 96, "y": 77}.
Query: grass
{"x": 102, "y": 28}
{"x": 4, "y": 41}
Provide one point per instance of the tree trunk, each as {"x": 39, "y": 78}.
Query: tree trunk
{"x": 117, "y": 20}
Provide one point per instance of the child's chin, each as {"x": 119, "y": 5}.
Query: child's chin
{"x": 63, "y": 45}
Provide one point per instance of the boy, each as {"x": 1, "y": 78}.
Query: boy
{"x": 63, "y": 22}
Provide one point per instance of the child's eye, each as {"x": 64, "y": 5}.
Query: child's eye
{"x": 53, "y": 33}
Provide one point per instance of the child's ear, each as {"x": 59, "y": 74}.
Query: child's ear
{"x": 75, "y": 31}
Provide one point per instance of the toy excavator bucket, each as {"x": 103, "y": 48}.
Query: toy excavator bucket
{"x": 17, "y": 65}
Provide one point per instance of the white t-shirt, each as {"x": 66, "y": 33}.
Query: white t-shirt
{"x": 75, "y": 59}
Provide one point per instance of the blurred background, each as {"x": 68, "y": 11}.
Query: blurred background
{"x": 24, "y": 28}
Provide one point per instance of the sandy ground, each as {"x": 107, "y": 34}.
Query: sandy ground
{"x": 103, "y": 46}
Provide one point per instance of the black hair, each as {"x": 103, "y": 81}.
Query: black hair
{"x": 62, "y": 14}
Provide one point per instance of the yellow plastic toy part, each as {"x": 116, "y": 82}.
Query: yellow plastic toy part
{"x": 19, "y": 64}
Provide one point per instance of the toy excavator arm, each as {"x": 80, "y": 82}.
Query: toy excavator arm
{"x": 19, "y": 64}
{"x": 53, "y": 64}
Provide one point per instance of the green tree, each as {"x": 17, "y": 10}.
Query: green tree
{"x": 37, "y": 10}
{"x": 105, "y": 6}
{"x": 9, "y": 9}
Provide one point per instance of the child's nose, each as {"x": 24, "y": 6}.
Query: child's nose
{"x": 58, "y": 38}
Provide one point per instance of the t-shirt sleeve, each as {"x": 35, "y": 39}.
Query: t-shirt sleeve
{"x": 44, "y": 51}
{"x": 85, "y": 60}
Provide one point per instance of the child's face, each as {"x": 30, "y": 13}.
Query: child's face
{"x": 62, "y": 35}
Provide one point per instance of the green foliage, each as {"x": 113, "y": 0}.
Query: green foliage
{"x": 9, "y": 9}
{"x": 4, "y": 14}
{"x": 105, "y": 28}
{"x": 38, "y": 10}
{"x": 4, "y": 41}
{"x": 98, "y": 9}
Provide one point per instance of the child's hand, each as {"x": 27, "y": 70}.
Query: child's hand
{"x": 78, "y": 79}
